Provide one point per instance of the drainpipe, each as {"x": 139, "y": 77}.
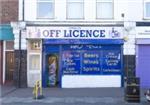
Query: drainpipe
{"x": 19, "y": 66}
{"x": 23, "y": 10}
{"x": 20, "y": 51}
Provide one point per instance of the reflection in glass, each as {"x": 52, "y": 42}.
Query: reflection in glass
{"x": 45, "y": 10}
{"x": 72, "y": 9}
{"x": 104, "y": 10}
{"x": 148, "y": 9}
{"x": 34, "y": 62}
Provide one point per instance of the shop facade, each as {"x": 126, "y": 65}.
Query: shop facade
{"x": 143, "y": 53}
{"x": 75, "y": 56}
{"x": 6, "y": 54}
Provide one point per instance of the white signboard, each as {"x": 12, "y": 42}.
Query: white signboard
{"x": 75, "y": 32}
{"x": 142, "y": 32}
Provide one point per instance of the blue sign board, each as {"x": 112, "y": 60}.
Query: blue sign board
{"x": 83, "y": 41}
{"x": 91, "y": 59}
{"x": 91, "y": 62}
{"x": 71, "y": 62}
{"x": 111, "y": 62}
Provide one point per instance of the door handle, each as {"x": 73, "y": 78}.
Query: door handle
{"x": 11, "y": 60}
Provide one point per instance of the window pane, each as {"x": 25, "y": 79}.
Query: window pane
{"x": 148, "y": 9}
{"x": 75, "y": 10}
{"x": 9, "y": 45}
{"x": 34, "y": 62}
{"x": 45, "y": 10}
{"x": 45, "y": 0}
{"x": 104, "y": 10}
{"x": 75, "y": 0}
{"x": 104, "y": 0}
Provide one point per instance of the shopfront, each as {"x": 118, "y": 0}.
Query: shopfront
{"x": 143, "y": 55}
{"x": 76, "y": 57}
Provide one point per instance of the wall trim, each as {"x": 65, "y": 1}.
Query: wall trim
{"x": 143, "y": 41}
{"x": 4, "y": 61}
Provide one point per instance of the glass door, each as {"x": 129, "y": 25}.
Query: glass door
{"x": 50, "y": 71}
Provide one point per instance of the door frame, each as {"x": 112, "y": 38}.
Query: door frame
{"x": 7, "y": 61}
{"x": 1, "y": 68}
{"x": 4, "y": 60}
{"x": 50, "y": 49}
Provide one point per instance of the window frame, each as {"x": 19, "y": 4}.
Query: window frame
{"x": 67, "y": 6}
{"x": 11, "y": 46}
{"x": 105, "y": 1}
{"x": 53, "y": 14}
{"x": 31, "y": 52}
{"x": 144, "y": 9}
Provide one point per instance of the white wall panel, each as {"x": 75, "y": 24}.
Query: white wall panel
{"x": 90, "y": 10}
{"x": 20, "y": 10}
{"x": 81, "y": 81}
{"x": 128, "y": 51}
{"x": 60, "y": 10}
{"x": 128, "y": 7}
{"x": 135, "y": 10}
{"x": 30, "y": 10}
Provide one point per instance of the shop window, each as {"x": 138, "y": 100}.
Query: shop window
{"x": 9, "y": 45}
{"x": 147, "y": 9}
{"x": 104, "y": 9}
{"x": 75, "y": 9}
{"x": 34, "y": 62}
{"x": 45, "y": 8}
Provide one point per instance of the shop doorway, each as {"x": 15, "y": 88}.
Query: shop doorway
{"x": 51, "y": 66}
{"x": 9, "y": 67}
{"x": 52, "y": 69}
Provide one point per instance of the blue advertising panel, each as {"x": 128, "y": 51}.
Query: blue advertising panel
{"x": 91, "y": 59}
{"x": 111, "y": 62}
{"x": 71, "y": 62}
{"x": 91, "y": 62}
{"x": 83, "y": 41}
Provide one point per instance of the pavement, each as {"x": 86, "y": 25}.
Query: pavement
{"x": 73, "y": 96}
{"x": 5, "y": 90}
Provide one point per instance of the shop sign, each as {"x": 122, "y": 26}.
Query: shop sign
{"x": 91, "y": 59}
{"x": 74, "y": 32}
{"x": 143, "y": 32}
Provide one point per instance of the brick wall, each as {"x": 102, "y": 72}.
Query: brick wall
{"x": 8, "y": 11}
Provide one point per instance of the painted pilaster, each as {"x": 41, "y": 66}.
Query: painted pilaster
{"x": 129, "y": 48}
